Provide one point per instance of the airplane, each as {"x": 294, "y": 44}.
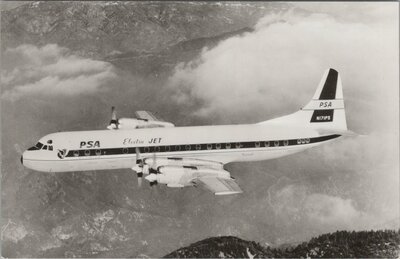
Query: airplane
{"x": 188, "y": 156}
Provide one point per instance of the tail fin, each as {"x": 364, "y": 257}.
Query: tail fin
{"x": 326, "y": 108}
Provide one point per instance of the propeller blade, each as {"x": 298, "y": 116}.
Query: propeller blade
{"x": 146, "y": 169}
{"x": 140, "y": 162}
{"x": 154, "y": 165}
{"x": 113, "y": 114}
{"x": 114, "y": 120}
{"x": 139, "y": 180}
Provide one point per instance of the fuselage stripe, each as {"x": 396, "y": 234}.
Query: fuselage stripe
{"x": 196, "y": 147}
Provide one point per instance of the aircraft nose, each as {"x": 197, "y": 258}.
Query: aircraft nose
{"x": 22, "y": 159}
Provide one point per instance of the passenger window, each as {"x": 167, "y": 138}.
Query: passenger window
{"x": 198, "y": 146}
{"x": 218, "y": 146}
{"x": 167, "y": 148}
{"x": 286, "y": 142}
{"x": 98, "y": 152}
{"x": 209, "y": 146}
{"x": 157, "y": 149}
{"x": 87, "y": 152}
{"x": 177, "y": 148}
{"x": 307, "y": 140}
{"x": 238, "y": 145}
{"x": 187, "y": 147}
{"x": 76, "y": 153}
{"x": 257, "y": 144}
{"x": 266, "y": 143}
{"x": 228, "y": 145}
{"x": 276, "y": 143}
{"x": 146, "y": 149}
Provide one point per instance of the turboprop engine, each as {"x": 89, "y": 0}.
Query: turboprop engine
{"x": 172, "y": 176}
{"x": 129, "y": 123}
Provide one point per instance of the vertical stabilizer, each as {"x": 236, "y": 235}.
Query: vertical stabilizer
{"x": 325, "y": 110}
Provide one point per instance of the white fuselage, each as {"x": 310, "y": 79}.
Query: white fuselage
{"x": 117, "y": 149}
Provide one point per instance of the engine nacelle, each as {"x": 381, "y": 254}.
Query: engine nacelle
{"x": 170, "y": 175}
{"x": 128, "y": 123}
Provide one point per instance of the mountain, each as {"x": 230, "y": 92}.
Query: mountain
{"x": 340, "y": 244}
{"x": 98, "y": 29}
{"x": 142, "y": 37}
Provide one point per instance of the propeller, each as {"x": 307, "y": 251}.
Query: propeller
{"x": 152, "y": 178}
{"x": 140, "y": 162}
{"x": 114, "y": 120}
{"x": 142, "y": 168}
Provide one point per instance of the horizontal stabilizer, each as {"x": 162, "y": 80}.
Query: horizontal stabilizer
{"x": 345, "y": 133}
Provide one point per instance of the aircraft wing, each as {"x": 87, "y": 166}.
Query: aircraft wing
{"x": 180, "y": 172}
{"x": 220, "y": 186}
{"x": 153, "y": 121}
{"x": 147, "y": 116}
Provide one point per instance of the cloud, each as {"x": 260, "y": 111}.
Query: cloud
{"x": 297, "y": 204}
{"x": 51, "y": 70}
{"x": 275, "y": 69}
{"x": 352, "y": 183}
{"x": 332, "y": 210}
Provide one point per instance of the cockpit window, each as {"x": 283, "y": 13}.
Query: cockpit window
{"x": 40, "y": 146}
{"x": 36, "y": 147}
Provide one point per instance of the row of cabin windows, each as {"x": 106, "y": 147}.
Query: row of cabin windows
{"x": 188, "y": 147}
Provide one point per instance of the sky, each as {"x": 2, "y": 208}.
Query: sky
{"x": 352, "y": 183}
{"x": 275, "y": 70}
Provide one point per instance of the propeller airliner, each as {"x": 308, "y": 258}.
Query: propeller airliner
{"x": 187, "y": 156}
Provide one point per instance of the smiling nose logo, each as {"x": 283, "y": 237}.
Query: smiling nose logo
{"x": 61, "y": 153}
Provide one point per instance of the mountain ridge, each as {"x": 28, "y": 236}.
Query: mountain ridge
{"x": 95, "y": 29}
{"x": 340, "y": 244}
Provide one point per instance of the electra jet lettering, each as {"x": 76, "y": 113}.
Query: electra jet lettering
{"x": 188, "y": 156}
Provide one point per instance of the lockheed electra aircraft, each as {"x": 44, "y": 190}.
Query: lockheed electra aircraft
{"x": 188, "y": 156}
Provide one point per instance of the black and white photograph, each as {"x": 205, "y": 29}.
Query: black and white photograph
{"x": 199, "y": 129}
